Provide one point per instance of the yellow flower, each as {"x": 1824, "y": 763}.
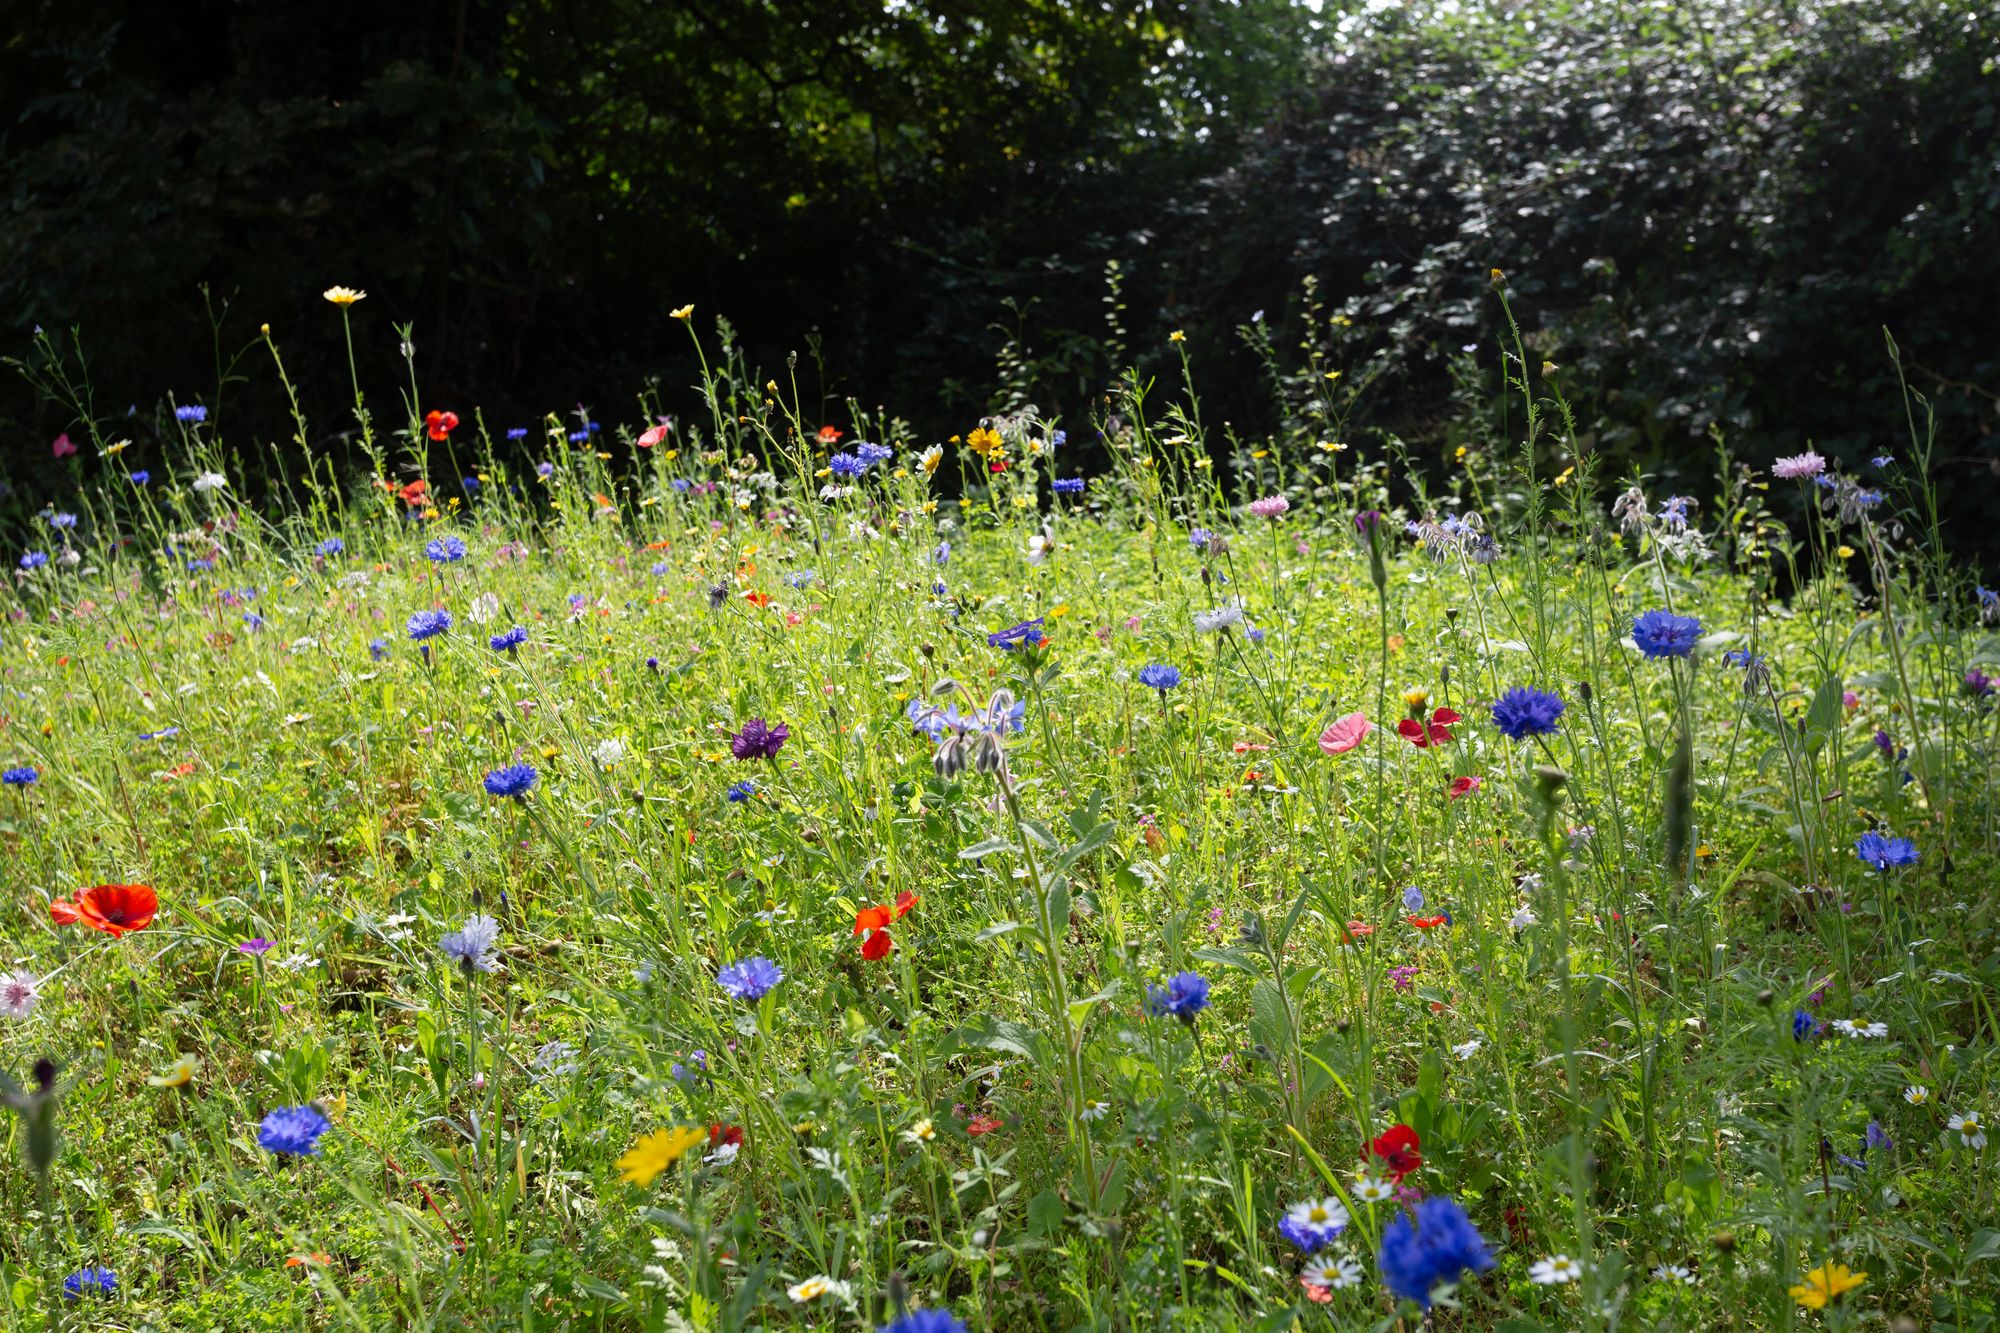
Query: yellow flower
{"x": 921, "y": 1132}
{"x": 1825, "y": 1284}
{"x": 179, "y": 1074}
{"x": 930, "y": 458}
{"x": 1845, "y": 552}
{"x": 1497, "y": 276}
{"x": 811, "y": 1289}
{"x": 344, "y": 296}
{"x": 1176, "y": 337}
{"x": 983, "y": 441}
{"x": 1333, "y": 374}
{"x": 117, "y": 448}
{"x": 1567, "y": 473}
{"x": 657, "y": 1151}
{"x": 1416, "y": 698}
{"x": 683, "y": 312}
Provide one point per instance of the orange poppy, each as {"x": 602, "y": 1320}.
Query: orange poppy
{"x": 440, "y": 425}
{"x": 413, "y": 494}
{"x": 757, "y": 599}
{"x": 1431, "y": 922}
{"x": 983, "y": 1124}
{"x": 111, "y": 908}
{"x": 1355, "y": 931}
{"x": 873, "y": 923}
{"x": 316, "y": 1257}
{"x": 829, "y": 435}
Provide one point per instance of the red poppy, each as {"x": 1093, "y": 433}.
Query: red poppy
{"x": 874, "y": 922}
{"x": 758, "y": 599}
{"x": 1430, "y": 922}
{"x": 1355, "y": 931}
{"x": 829, "y": 435}
{"x": 879, "y": 945}
{"x": 1460, "y": 786}
{"x": 720, "y": 1135}
{"x": 983, "y": 1124}
{"x": 1437, "y": 733}
{"x": 414, "y": 493}
{"x": 440, "y": 425}
{"x": 111, "y": 908}
{"x": 1396, "y": 1150}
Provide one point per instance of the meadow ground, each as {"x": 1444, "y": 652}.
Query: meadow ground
{"x": 754, "y": 872}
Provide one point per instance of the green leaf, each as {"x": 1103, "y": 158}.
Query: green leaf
{"x": 986, "y": 848}
{"x": 999, "y": 1034}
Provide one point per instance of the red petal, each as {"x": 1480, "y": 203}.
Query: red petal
{"x": 1446, "y": 715}
{"x": 904, "y": 903}
{"x": 877, "y": 946}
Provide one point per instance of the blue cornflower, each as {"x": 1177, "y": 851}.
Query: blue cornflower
{"x": 846, "y": 465}
{"x": 445, "y": 550}
{"x": 201, "y": 566}
{"x": 800, "y": 579}
{"x": 1028, "y": 632}
{"x": 517, "y": 432}
{"x": 254, "y": 621}
{"x": 471, "y": 485}
{"x": 1876, "y": 1137}
{"x": 740, "y": 792}
{"x": 751, "y": 979}
{"x": 192, "y": 414}
{"x": 1882, "y": 853}
{"x": 1184, "y": 996}
{"x": 428, "y": 624}
{"x": 95, "y": 1280}
{"x": 1314, "y": 1224}
{"x": 1253, "y": 633}
{"x": 1413, "y": 899}
{"x": 513, "y": 780}
{"x": 661, "y": 567}
{"x": 378, "y": 649}
{"x": 1438, "y": 1248}
{"x": 163, "y": 734}
{"x": 20, "y": 777}
{"x": 1525, "y": 711}
{"x": 924, "y": 1321}
{"x": 1664, "y": 634}
{"x": 1057, "y": 439}
{"x": 545, "y": 469}
{"x": 1199, "y": 539}
{"x": 34, "y": 559}
{"x": 1804, "y": 1025}
{"x": 593, "y": 427}
{"x": 508, "y": 642}
{"x": 941, "y": 554}
{"x": 141, "y": 477}
{"x": 681, "y": 484}
{"x": 62, "y": 520}
{"x": 293, "y": 1131}
{"x": 1157, "y": 677}
{"x": 578, "y": 436}
{"x": 871, "y": 454}
{"x": 331, "y": 546}
{"x": 1068, "y": 485}
{"x": 473, "y": 944}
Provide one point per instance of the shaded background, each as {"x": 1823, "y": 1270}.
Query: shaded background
{"x": 1708, "y": 211}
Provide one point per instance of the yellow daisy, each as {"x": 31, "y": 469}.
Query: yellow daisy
{"x": 657, "y": 1151}
{"x": 344, "y": 296}
{"x": 1825, "y": 1284}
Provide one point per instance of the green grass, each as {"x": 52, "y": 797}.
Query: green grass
{"x": 1616, "y": 1080}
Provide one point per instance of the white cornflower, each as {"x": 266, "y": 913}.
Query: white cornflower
{"x": 609, "y": 752}
{"x": 1555, "y": 1270}
{"x": 484, "y": 608}
{"x": 1971, "y": 1130}
{"x": 1523, "y": 919}
{"x": 210, "y": 481}
{"x": 1465, "y": 1050}
{"x": 1917, "y": 1094}
{"x": 1335, "y": 1273}
{"x": 18, "y": 993}
{"x": 724, "y": 1155}
{"x": 298, "y": 962}
{"x": 1221, "y": 618}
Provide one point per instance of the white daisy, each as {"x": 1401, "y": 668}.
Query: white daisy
{"x": 1971, "y": 1130}
{"x": 1370, "y": 1189}
{"x": 1916, "y": 1094}
{"x": 1333, "y": 1272}
{"x": 1680, "y": 1273}
{"x": 1323, "y": 1214}
{"x": 1845, "y": 1027}
{"x": 1874, "y": 1029}
{"x": 1094, "y": 1110}
{"x": 1555, "y": 1270}
{"x": 921, "y": 1132}
{"x": 815, "y": 1287}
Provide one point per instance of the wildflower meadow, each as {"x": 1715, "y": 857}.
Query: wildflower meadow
{"x": 728, "y": 863}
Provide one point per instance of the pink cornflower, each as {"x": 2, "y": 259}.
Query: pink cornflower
{"x": 1270, "y": 506}
{"x": 1798, "y": 466}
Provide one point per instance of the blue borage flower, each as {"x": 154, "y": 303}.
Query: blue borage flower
{"x": 95, "y": 1280}
{"x": 1068, "y": 485}
{"x": 331, "y": 546}
{"x": 800, "y": 579}
{"x": 1157, "y": 677}
{"x": 472, "y": 945}
{"x": 1525, "y": 711}
{"x": 1664, "y": 634}
{"x": 1028, "y": 633}
{"x": 20, "y": 777}
{"x": 445, "y": 550}
{"x": 751, "y": 979}
{"x": 510, "y": 640}
{"x": 1184, "y": 996}
{"x": 428, "y": 624}
{"x": 1439, "y": 1246}
{"x": 1883, "y": 853}
{"x": 513, "y": 780}
{"x": 293, "y": 1131}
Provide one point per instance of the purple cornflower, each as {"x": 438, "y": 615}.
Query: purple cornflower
{"x": 758, "y": 740}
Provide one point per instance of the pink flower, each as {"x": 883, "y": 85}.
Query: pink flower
{"x": 651, "y": 437}
{"x": 1798, "y": 466}
{"x": 63, "y": 446}
{"x": 1132, "y": 624}
{"x": 1270, "y": 506}
{"x": 1345, "y": 734}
